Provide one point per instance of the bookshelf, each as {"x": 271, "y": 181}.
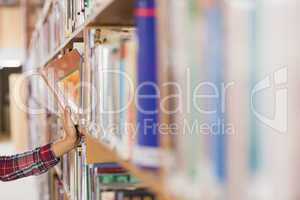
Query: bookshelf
{"x": 108, "y": 13}
{"x": 219, "y": 146}
{"x": 112, "y": 14}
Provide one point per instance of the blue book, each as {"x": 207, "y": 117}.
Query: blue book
{"x": 146, "y": 151}
{"x": 215, "y": 63}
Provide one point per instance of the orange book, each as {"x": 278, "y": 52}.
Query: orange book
{"x": 62, "y": 76}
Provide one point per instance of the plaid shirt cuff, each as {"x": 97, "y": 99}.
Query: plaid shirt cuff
{"x": 48, "y": 157}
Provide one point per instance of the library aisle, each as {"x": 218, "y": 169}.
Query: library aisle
{"x": 150, "y": 99}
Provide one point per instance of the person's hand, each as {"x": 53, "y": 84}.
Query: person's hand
{"x": 71, "y": 135}
{"x": 70, "y": 139}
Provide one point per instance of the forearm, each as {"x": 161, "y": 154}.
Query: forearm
{"x": 63, "y": 146}
{"x": 40, "y": 159}
{"x": 26, "y": 164}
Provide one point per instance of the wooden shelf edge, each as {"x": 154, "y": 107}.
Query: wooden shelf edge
{"x": 61, "y": 47}
{"x": 96, "y": 149}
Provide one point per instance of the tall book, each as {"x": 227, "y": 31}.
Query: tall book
{"x": 188, "y": 165}
{"x": 146, "y": 152}
{"x": 237, "y": 85}
{"x": 213, "y": 70}
{"x": 274, "y": 174}
{"x": 129, "y": 89}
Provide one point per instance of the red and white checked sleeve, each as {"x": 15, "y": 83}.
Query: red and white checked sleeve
{"x": 34, "y": 162}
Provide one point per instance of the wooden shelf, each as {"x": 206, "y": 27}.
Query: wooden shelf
{"x": 98, "y": 152}
{"x": 67, "y": 41}
{"x": 115, "y": 13}
{"x": 108, "y": 13}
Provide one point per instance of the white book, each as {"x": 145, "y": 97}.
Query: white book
{"x": 237, "y": 99}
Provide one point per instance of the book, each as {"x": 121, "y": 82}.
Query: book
{"x": 62, "y": 76}
{"x": 189, "y": 160}
{"x": 239, "y": 47}
{"x": 128, "y": 119}
{"x": 214, "y": 57}
{"x": 146, "y": 152}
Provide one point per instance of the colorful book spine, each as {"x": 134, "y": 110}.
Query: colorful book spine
{"x": 270, "y": 101}
{"x": 215, "y": 65}
{"x": 122, "y": 84}
{"x": 129, "y": 89}
{"x": 146, "y": 152}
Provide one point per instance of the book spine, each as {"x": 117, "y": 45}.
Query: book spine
{"x": 130, "y": 71}
{"x": 238, "y": 49}
{"x": 146, "y": 152}
{"x": 254, "y": 147}
{"x": 123, "y": 98}
{"x": 215, "y": 64}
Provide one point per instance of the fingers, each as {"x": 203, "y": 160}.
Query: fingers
{"x": 72, "y": 130}
{"x": 67, "y": 116}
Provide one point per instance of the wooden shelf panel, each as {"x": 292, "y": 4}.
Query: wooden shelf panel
{"x": 98, "y": 152}
{"x": 118, "y": 13}
{"x": 72, "y": 38}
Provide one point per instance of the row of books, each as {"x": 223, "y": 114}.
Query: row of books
{"x": 112, "y": 56}
{"x": 123, "y": 98}
{"x": 112, "y": 182}
{"x": 221, "y": 65}
{"x": 111, "y": 103}
{"x": 96, "y": 182}
{"x": 116, "y": 113}
{"x": 63, "y": 18}
{"x": 235, "y": 64}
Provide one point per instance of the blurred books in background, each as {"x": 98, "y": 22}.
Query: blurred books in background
{"x": 197, "y": 89}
